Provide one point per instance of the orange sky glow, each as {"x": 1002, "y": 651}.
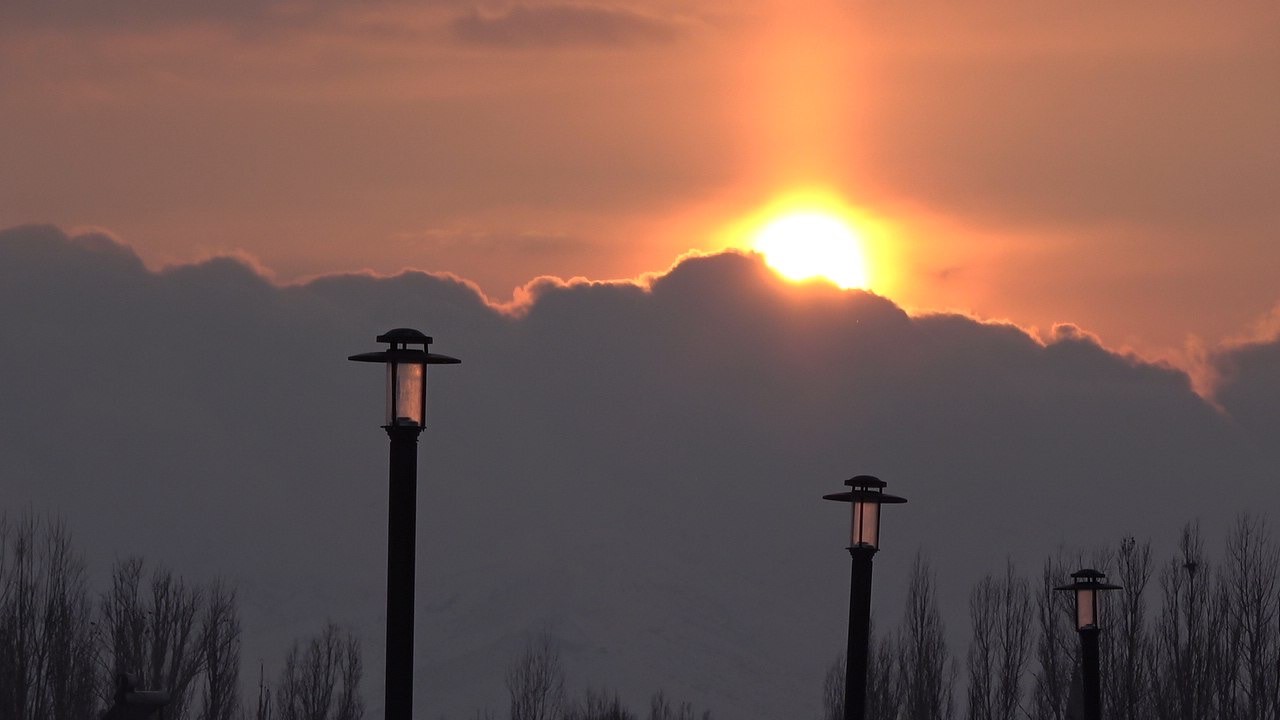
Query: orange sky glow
{"x": 1112, "y": 167}
{"x": 1025, "y": 261}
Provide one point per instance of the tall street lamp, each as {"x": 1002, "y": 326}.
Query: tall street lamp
{"x": 406, "y": 417}
{"x": 1086, "y": 585}
{"x": 866, "y": 497}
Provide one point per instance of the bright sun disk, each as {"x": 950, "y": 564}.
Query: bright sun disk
{"x": 810, "y": 245}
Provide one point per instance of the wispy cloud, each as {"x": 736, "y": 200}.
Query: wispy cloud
{"x": 141, "y": 13}
{"x": 522, "y": 243}
{"x": 565, "y": 24}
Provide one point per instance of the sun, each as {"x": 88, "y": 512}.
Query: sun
{"x": 812, "y": 244}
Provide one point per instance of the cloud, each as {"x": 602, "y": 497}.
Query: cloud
{"x": 524, "y": 243}
{"x": 559, "y": 24}
{"x": 127, "y": 13}
{"x": 637, "y": 466}
{"x": 1247, "y": 385}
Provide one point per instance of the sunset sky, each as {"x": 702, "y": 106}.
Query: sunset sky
{"x": 1067, "y": 217}
{"x": 1110, "y": 165}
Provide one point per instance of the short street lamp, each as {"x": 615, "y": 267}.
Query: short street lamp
{"x": 866, "y": 497}
{"x": 1086, "y": 586}
{"x": 133, "y": 704}
{"x": 406, "y": 417}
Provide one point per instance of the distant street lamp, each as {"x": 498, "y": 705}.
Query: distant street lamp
{"x": 1086, "y": 586}
{"x": 406, "y": 417}
{"x": 866, "y": 498}
{"x": 133, "y": 704}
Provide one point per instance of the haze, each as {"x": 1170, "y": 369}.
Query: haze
{"x": 1111, "y": 166}
{"x": 1070, "y": 333}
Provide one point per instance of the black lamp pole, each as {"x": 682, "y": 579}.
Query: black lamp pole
{"x": 401, "y": 565}
{"x": 1090, "y": 673}
{"x": 405, "y": 420}
{"x": 1086, "y": 585}
{"x": 859, "y": 650}
{"x": 866, "y": 497}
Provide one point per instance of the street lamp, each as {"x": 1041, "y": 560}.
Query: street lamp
{"x": 1086, "y": 585}
{"x": 406, "y": 416}
{"x": 866, "y": 497}
{"x": 133, "y": 704}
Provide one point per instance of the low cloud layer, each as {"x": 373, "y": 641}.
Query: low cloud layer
{"x": 637, "y": 469}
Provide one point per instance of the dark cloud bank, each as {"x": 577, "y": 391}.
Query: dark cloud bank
{"x": 636, "y": 470}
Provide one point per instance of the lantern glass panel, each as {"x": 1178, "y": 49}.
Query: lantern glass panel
{"x": 406, "y": 394}
{"x": 866, "y": 524}
{"x": 1086, "y": 608}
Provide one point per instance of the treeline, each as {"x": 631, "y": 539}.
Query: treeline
{"x": 1186, "y": 639}
{"x": 63, "y": 648}
{"x": 535, "y": 681}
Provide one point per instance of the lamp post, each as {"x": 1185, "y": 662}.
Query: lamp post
{"x": 1086, "y": 585}
{"x": 866, "y": 497}
{"x": 133, "y": 704}
{"x": 406, "y": 417}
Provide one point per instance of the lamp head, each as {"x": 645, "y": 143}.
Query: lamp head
{"x": 1086, "y": 585}
{"x": 406, "y": 374}
{"x": 865, "y": 497}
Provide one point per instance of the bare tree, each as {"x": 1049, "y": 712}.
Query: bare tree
{"x": 1127, "y": 679}
{"x": 321, "y": 682}
{"x": 884, "y": 686}
{"x": 220, "y": 655}
{"x": 1055, "y": 649}
{"x": 152, "y": 633}
{"x": 1191, "y": 645}
{"x": 1000, "y": 617}
{"x": 599, "y": 706}
{"x": 884, "y": 696}
{"x": 263, "y": 710}
{"x": 833, "y": 691}
{"x": 535, "y": 681}
{"x": 662, "y": 709}
{"x": 925, "y": 668}
{"x": 46, "y": 631}
{"x": 1251, "y": 574}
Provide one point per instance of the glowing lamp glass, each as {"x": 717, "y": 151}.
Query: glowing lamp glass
{"x": 865, "y": 531}
{"x": 406, "y": 405}
{"x": 1086, "y": 586}
{"x": 1086, "y": 608}
{"x": 865, "y": 497}
{"x": 406, "y": 394}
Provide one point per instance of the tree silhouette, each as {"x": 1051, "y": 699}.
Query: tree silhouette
{"x": 1000, "y": 619}
{"x": 322, "y": 681}
{"x": 927, "y": 674}
{"x": 535, "y": 681}
{"x": 47, "y": 636}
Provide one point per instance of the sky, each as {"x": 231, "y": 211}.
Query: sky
{"x": 1112, "y": 166}
{"x": 1068, "y": 331}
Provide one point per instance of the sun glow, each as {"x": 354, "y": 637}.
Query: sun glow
{"x": 813, "y": 244}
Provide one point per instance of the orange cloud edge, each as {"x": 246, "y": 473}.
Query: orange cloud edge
{"x": 1197, "y": 364}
